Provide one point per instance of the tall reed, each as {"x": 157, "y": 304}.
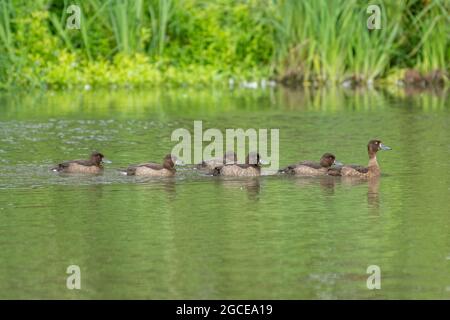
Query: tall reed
{"x": 6, "y": 35}
{"x": 432, "y": 24}
{"x": 160, "y": 13}
{"x": 329, "y": 40}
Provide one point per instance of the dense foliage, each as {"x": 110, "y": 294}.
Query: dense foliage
{"x": 204, "y": 42}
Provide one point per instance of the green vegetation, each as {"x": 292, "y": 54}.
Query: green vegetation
{"x": 204, "y": 42}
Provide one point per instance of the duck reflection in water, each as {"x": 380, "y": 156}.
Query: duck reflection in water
{"x": 251, "y": 185}
{"x": 326, "y": 183}
{"x": 161, "y": 184}
{"x": 373, "y": 186}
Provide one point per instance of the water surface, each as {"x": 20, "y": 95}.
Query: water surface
{"x": 201, "y": 237}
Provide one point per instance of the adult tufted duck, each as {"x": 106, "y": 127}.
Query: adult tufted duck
{"x": 373, "y": 169}
{"x": 167, "y": 168}
{"x": 251, "y": 168}
{"x": 93, "y": 166}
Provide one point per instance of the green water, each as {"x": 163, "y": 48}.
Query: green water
{"x": 201, "y": 237}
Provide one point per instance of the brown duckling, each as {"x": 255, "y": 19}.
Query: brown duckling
{"x": 310, "y": 168}
{"x": 93, "y": 166}
{"x": 167, "y": 169}
{"x": 373, "y": 169}
{"x": 251, "y": 168}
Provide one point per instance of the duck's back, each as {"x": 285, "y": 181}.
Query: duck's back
{"x": 78, "y": 166}
{"x": 354, "y": 171}
{"x": 237, "y": 171}
{"x": 149, "y": 169}
{"x": 311, "y": 164}
{"x": 308, "y": 168}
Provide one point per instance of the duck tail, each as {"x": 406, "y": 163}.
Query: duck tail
{"x": 287, "y": 170}
{"x": 122, "y": 171}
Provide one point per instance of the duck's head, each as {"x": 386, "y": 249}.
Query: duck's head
{"x": 170, "y": 161}
{"x": 97, "y": 157}
{"x": 253, "y": 158}
{"x": 328, "y": 160}
{"x": 376, "y": 145}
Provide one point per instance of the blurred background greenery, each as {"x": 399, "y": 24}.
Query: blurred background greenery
{"x": 208, "y": 42}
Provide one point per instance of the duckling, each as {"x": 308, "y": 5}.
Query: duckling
{"x": 167, "y": 169}
{"x": 251, "y": 168}
{"x": 309, "y": 168}
{"x": 93, "y": 166}
{"x": 209, "y": 165}
{"x": 373, "y": 169}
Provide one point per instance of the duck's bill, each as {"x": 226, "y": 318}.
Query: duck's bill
{"x": 337, "y": 163}
{"x": 384, "y": 147}
{"x": 106, "y": 161}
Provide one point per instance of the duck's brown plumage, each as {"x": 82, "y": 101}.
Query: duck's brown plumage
{"x": 251, "y": 168}
{"x": 336, "y": 171}
{"x": 373, "y": 169}
{"x": 166, "y": 169}
{"x": 92, "y": 166}
{"x": 311, "y": 168}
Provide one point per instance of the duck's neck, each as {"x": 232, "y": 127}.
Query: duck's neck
{"x": 169, "y": 167}
{"x": 256, "y": 166}
{"x": 96, "y": 162}
{"x": 374, "y": 168}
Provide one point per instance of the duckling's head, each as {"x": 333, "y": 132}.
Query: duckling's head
{"x": 376, "y": 145}
{"x": 97, "y": 157}
{"x": 170, "y": 161}
{"x": 327, "y": 160}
